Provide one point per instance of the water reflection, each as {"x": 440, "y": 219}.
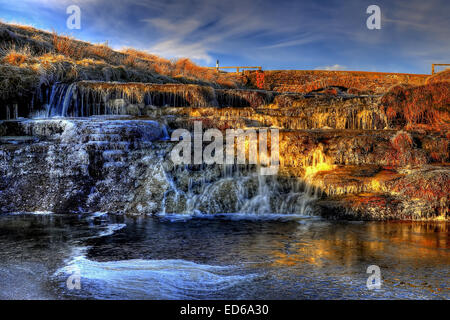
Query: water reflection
{"x": 350, "y": 243}
{"x": 225, "y": 258}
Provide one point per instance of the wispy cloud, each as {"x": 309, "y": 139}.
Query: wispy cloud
{"x": 335, "y": 67}
{"x": 306, "y": 39}
{"x": 284, "y": 34}
{"x": 208, "y": 27}
{"x": 177, "y": 49}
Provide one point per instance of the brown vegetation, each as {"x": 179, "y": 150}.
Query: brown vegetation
{"x": 425, "y": 106}
{"x": 439, "y": 77}
{"x": 15, "y": 57}
{"x": 305, "y": 81}
{"x": 403, "y": 151}
{"x": 48, "y": 57}
{"x": 431, "y": 185}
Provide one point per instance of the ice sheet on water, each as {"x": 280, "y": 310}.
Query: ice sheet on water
{"x": 38, "y": 213}
{"x": 152, "y": 279}
{"x": 111, "y": 229}
{"x": 174, "y": 217}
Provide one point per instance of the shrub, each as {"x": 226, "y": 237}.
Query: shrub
{"x": 439, "y": 77}
{"x": 422, "y": 105}
{"x": 131, "y": 61}
{"x": 403, "y": 152}
{"x": 67, "y": 46}
{"x": 402, "y": 141}
{"x": 101, "y": 51}
{"x": 260, "y": 79}
{"x": 15, "y": 56}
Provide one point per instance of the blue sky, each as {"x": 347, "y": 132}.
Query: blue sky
{"x": 328, "y": 34}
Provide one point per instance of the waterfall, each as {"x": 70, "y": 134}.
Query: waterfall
{"x": 60, "y": 99}
{"x": 123, "y": 165}
{"x": 91, "y": 98}
{"x": 248, "y": 192}
{"x": 12, "y": 112}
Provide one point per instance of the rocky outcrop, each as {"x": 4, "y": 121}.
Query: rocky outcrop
{"x": 90, "y": 98}
{"x": 305, "y": 81}
{"x": 342, "y": 155}
{"x": 124, "y": 166}
{"x": 75, "y": 166}
{"x": 419, "y": 193}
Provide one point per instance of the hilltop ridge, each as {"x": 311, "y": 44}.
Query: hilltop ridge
{"x": 30, "y": 57}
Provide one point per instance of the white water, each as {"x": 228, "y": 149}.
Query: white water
{"x": 152, "y": 279}
{"x": 239, "y": 190}
{"x": 145, "y": 279}
{"x": 269, "y": 198}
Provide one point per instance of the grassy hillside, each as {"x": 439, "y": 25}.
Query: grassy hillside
{"x": 30, "y": 57}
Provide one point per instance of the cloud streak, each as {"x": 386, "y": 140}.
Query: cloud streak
{"x": 284, "y": 34}
{"x": 336, "y": 67}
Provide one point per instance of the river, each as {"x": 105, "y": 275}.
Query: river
{"x": 233, "y": 256}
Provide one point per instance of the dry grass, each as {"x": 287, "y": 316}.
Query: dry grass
{"x": 30, "y": 58}
{"x": 16, "y": 81}
{"x": 432, "y": 185}
{"x": 403, "y": 151}
{"x": 181, "y": 69}
{"x": 77, "y": 60}
{"x": 67, "y": 46}
{"x": 15, "y": 56}
{"x": 102, "y": 51}
{"x": 439, "y": 77}
{"x": 425, "y": 106}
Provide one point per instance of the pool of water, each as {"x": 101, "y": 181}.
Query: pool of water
{"x": 46, "y": 256}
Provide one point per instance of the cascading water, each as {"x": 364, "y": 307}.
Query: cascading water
{"x": 86, "y": 98}
{"x": 89, "y": 98}
{"x": 60, "y": 98}
{"x": 116, "y": 165}
{"x": 245, "y": 191}
{"x": 122, "y": 166}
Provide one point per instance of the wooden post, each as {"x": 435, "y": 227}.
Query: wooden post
{"x": 238, "y": 68}
{"x": 433, "y": 66}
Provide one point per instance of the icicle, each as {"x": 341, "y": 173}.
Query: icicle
{"x": 52, "y": 97}
{"x": 15, "y": 111}
{"x": 67, "y": 99}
